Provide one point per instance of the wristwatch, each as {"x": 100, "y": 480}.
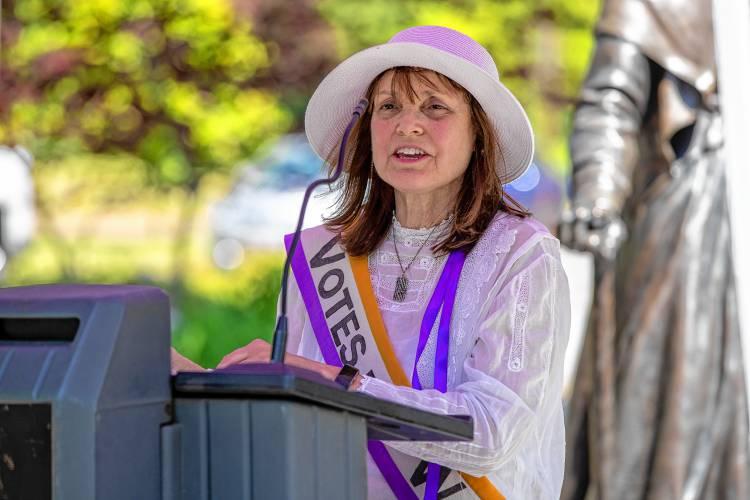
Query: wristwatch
{"x": 346, "y": 376}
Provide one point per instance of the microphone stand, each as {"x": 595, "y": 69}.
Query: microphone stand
{"x": 278, "y": 350}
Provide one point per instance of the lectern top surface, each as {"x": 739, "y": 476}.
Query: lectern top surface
{"x": 386, "y": 420}
{"x": 62, "y": 292}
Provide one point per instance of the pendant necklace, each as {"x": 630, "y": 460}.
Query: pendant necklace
{"x": 402, "y": 282}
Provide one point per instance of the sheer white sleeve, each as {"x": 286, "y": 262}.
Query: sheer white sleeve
{"x": 512, "y": 380}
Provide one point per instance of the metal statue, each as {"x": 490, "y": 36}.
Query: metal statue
{"x": 659, "y": 408}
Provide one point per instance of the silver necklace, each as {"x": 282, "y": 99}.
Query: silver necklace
{"x": 402, "y": 282}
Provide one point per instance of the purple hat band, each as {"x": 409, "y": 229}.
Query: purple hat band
{"x": 451, "y": 41}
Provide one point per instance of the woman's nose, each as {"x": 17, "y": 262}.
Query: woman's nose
{"x": 410, "y": 122}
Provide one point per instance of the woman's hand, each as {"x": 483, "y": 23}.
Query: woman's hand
{"x": 259, "y": 351}
{"x": 182, "y": 364}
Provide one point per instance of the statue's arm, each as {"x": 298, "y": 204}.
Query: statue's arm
{"x": 604, "y": 143}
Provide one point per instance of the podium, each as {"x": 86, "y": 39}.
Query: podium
{"x": 88, "y": 410}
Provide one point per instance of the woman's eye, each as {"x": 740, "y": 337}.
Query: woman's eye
{"x": 386, "y": 106}
{"x": 436, "y": 108}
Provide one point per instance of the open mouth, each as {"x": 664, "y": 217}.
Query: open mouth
{"x": 410, "y": 154}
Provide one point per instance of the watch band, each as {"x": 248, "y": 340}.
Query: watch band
{"x": 346, "y": 376}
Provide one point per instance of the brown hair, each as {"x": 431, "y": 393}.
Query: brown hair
{"x": 366, "y": 203}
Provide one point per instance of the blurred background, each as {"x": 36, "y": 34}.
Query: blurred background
{"x": 159, "y": 141}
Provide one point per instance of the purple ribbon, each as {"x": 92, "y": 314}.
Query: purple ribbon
{"x": 440, "y": 376}
{"x": 443, "y": 296}
{"x": 314, "y": 310}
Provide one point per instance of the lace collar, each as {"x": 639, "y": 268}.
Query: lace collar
{"x": 415, "y": 237}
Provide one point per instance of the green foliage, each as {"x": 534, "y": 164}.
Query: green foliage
{"x": 541, "y": 47}
{"x": 234, "y": 310}
{"x": 171, "y": 81}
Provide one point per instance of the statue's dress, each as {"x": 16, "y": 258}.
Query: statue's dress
{"x": 663, "y": 414}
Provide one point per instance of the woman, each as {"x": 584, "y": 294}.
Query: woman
{"x": 427, "y": 270}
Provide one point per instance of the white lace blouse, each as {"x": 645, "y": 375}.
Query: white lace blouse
{"x": 509, "y": 331}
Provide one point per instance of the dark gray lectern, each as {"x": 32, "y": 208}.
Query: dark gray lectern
{"x": 88, "y": 410}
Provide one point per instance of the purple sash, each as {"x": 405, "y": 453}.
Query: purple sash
{"x": 443, "y": 298}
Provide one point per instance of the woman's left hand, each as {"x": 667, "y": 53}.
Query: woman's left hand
{"x": 259, "y": 351}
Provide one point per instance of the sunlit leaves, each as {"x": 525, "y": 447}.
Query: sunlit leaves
{"x": 126, "y": 52}
{"x": 236, "y": 126}
{"x": 105, "y": 13}
{"x": 573, "y": 14}
{"x": 93, "y": 119}
{"x": 161, "y": 148}
{"x": 31, "y": 10}
{"x": 141, "y": 9}
{"x": 118, "y": 99}
{"x": 241, "y": 56}
{"x": 36, "y": 40}
{"x": 576, "y": 47}
{"x": 150, "y": 95}
{"x": 182, "y": 101}
{"x": 64, "y": 89}
{"x": 170, "y": 80}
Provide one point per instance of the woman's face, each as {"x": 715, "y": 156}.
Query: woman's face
{"x": 423, "y": 146}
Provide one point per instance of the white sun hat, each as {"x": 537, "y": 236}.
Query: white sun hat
{"x": 439, "y": 49}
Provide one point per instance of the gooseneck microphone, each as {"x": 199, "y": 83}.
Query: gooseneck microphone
{"x": 278, "y": 349}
